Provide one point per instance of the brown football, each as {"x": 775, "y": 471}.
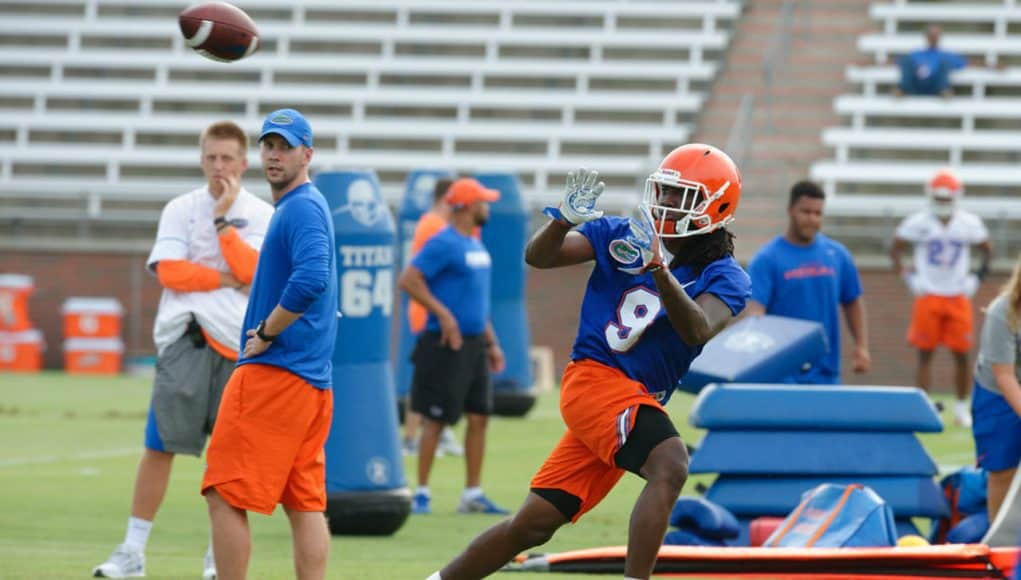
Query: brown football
{"x": 219, "y": 31}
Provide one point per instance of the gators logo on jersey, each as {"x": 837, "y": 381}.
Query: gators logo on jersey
{"x": 623, "y": 251}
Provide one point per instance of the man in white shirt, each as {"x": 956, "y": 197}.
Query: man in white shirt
{"x": 206, "y": 249}
{"x": 942, "y": 281}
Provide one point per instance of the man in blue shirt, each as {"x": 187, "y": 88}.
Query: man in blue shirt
{"x": 804, "y": 274}
{"x": 267, "y": 446}
{"x": 927, "y": 71}
{"x": 450, "y": 276}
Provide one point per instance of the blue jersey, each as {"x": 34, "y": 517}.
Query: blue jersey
{"x": 298, "y": 270}
{"x": 623, "y": 322}
{"x": 807, "y": 282}
{"x": 458, "y": 271}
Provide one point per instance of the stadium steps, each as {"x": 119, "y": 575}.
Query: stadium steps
{"x": 790, "y": 112}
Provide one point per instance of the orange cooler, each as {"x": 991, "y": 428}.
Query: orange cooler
{"x": 14, "y": 292}
{"x": 100, "y": 356}
{"x": 92, "y": 317}
{"x": 21, "y": 351}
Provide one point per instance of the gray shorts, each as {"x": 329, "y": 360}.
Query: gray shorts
{"x": 185, "y": 397}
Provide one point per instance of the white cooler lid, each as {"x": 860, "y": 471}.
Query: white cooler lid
{"x": 93, "y": 345}
{"x": 30, "y": 336}
{"x": 87, "y": 305}
{"x": 20, "y": 281}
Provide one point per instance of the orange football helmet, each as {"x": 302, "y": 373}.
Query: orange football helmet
{"x": 944, "y": 189}
{"x": 706, "y": 183}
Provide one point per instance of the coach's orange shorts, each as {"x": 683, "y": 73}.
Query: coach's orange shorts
{"x": 599, "y": 405}
{"x": 267, "y": 445}
{"x": 937, "y": 320}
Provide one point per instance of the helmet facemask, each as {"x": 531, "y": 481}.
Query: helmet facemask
{"x": 942, "y": 202}
{"x": 690, "y": 217}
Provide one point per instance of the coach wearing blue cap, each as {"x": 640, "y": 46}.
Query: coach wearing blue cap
{"x": 269, "y": 450}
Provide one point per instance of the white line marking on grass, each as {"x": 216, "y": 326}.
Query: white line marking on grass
{"x": 44, "y": 459}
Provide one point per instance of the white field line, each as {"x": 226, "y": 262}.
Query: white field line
{"x": 85, "y": 455}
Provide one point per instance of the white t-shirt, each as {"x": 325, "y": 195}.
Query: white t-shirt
{"x": 186, "y": 232}
{"x": 942, "y": 252}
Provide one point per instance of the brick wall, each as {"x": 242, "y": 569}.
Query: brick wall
{"x": 554, "y": 297}
{"x": 61, "y": 275}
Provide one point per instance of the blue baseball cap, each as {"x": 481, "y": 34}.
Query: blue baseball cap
{"x": 289, "y": 124}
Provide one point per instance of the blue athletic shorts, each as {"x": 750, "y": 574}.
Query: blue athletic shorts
{"x": 997, "y": 430}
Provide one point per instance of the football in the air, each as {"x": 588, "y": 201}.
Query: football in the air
{"x": 219, "y": 31}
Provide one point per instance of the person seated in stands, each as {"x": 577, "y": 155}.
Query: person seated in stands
{"x": 927, "y": 71}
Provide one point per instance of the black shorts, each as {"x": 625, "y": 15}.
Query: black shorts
{"x": 652, "y": 427}
{"x": 450, "y": 382}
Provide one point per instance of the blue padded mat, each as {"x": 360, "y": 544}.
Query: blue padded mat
{"x": 771, "y": 406}
{"x": 748, "y": 496}
{"x": 811, "y": 453}
{"x": 757, "y": 349}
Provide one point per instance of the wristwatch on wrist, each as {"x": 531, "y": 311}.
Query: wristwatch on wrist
{"x": 260, "y": 332}
{"x": 220, "y": 223}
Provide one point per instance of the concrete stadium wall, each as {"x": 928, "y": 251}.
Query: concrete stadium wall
{"x": 553, "y": 299}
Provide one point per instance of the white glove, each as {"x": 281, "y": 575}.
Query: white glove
{"x": 580, "y": 195}
{"x": 643, "y": 235}
{"x": 912, "y": 282}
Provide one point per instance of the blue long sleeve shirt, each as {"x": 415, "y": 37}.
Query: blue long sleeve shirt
{"x": 298, "y": 270}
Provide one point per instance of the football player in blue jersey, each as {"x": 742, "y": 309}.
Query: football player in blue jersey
{"x": 663, "y": 284}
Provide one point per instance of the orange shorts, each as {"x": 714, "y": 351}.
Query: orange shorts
{"x": 599, "y": 405}
{"x": 267, "y": 445}
{"x": 937, "y": 320}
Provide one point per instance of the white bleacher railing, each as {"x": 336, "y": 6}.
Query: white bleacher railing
{"x": 890, "y": 146}
{"x": 102, "y": 101}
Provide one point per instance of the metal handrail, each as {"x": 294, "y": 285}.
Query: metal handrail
{"x": 740, "y": 135}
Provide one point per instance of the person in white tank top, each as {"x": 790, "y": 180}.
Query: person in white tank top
{"x": 942, "y": 281}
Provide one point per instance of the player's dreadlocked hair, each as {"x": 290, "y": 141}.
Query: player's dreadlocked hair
{"x": 700, "y": 251}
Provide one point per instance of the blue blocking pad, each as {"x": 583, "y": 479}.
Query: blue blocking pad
{"x": 688, "y": 538}
{"x": 772, "y": 406}
{"x": 970, "y": 530}
{"x": 366, "y": 492}
{"x": 758, "y": 349}
{"x": 811, "y": 453}
{"x": 777, "y": 496}
{"x": 707, "y": 519}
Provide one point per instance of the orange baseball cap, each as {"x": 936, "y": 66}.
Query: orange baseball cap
{"x": 466, "y": 191}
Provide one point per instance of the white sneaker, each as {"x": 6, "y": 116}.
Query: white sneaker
{"x": 123, "y": 563}
{"x": 209, "y": 566}
{"x": 962, "y": 414}
{"x": 449, "y": 445}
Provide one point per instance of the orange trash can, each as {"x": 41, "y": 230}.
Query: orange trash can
{"x": 98, "y": 356}
{"x": 22, "y": 351}
{"x": 14, "y": 292}
{"x": 92, "y": 317}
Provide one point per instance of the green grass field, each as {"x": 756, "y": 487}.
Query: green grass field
{"x": 67, "y": 464}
